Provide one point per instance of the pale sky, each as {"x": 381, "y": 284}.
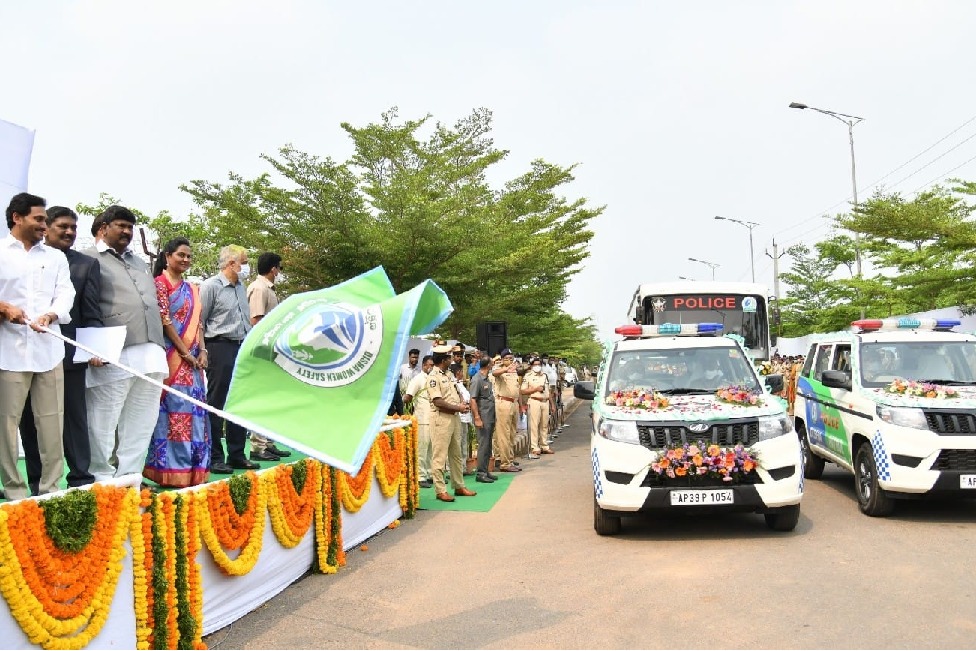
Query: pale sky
{"x": 675, "y": 112}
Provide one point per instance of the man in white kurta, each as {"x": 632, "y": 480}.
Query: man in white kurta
{"x": 34, "y": 278}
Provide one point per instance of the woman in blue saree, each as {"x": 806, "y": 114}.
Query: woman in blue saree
{"x": 179, "y": 452}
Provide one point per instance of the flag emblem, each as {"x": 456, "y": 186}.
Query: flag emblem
{"x": 330, "y": 344}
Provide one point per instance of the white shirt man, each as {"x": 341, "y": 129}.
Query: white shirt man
{"x": 416, "y": 394}
{"x": 35, "y": 279}
{"x": 123, "y": 409}
{"x": 410, "y": 370}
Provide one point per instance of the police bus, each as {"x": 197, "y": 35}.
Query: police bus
{"x": 742, "y": 309}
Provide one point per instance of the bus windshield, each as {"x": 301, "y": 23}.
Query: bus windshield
{"x": 740, "y": 314}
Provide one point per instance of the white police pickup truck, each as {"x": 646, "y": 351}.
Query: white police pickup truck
{"x": 894, "y": 402}
{"x": 681, "y": 420}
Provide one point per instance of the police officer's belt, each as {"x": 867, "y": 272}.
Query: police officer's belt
{"x": 506, "y": 398}
{"x": 538, "y": 398}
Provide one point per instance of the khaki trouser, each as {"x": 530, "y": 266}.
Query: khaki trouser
{"x": 424, "y": 451}
{"x": 506, "y": 413}
{"x": 538, "y": 424}
{"x": 446, "y": 444}
{"x": 47, "y": 401}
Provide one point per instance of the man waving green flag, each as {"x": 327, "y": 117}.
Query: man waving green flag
{"x": 318, "y": 372}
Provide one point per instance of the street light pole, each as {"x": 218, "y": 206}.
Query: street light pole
{"x": 752, "y": 253}
{"x": 685, "y": 278}
{"x": 850, "y": 121}
{"x": 713, "y": 265}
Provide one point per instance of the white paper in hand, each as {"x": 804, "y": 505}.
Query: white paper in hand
{"x": 106, "y": 341}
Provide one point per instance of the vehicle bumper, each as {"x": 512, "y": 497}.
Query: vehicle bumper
{"x": 620, "y": 471}
{"x": 918, "y": 477}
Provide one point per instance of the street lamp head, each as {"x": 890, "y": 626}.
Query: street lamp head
{"x": 798, "y": 105}
{"x": 720, "y": 217}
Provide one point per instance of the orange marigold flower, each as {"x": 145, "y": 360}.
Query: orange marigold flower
{"x": 680, "y": 471}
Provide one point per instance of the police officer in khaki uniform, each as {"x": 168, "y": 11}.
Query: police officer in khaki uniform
{"x": 506, "y": 409}
{"x": 446, "y": 434}
{"x": 535, "y": 385}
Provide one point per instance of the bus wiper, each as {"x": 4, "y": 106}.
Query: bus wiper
{"x": 684, "y": 391}
{"x": 951, "y": 383}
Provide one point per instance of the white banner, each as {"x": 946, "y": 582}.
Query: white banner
{"x": 16, "y": 145}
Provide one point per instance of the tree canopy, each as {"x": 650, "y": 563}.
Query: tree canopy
{"x": 414, "y": 197}
{"x": 919, "y": 254}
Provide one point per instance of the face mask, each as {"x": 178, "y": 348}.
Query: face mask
{"x": 245, "y": 271}
{"x": 536, "y": 368}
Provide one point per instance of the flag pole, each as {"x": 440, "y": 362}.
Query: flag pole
{"x": 193, "y": 401}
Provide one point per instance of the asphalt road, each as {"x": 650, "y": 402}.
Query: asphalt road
{"x": 531, "y": 573}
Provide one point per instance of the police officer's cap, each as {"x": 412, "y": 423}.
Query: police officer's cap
{"x": 442, "y": 350}
{"x": 505, "y": 352}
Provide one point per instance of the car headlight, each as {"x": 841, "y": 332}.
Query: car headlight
{"x": 903, "y": 416}
{"x": 624, "y": 431}
{"x": 773, "y": 426}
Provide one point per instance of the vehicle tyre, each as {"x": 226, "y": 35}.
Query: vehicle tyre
{"x": 604, "y": 523}
{"x": 871, "y": 498}
{"x": 783, "y": 519}
{"x": 813, "y": 466}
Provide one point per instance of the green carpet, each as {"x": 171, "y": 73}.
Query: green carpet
{"x": 488, "y": 495}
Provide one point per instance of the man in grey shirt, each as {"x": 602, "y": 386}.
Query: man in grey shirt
{"x": 483, "y": 409}
{"x": 226, "y": 320}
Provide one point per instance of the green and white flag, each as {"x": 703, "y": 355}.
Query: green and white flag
{"x": 318, "y": 372}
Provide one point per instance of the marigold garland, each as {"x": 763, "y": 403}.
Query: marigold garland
{"x": 389, "y": 458}
{"x": 354, "y": 490}
{"x": 328, "y": 523}
{"x": 409, "y": 486}
{"x": 222, "y": 528}
{"x": 292, "y": 512}
{"x": 158, "y": 551}
{"x": 194, "y": 572}
{"x": 140, "y": 584}
{"x": 62, "y": 599}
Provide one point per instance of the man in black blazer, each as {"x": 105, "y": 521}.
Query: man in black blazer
{"x": 62, "y": 228}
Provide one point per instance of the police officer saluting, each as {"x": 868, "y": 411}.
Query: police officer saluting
{"x": 446, "y": 435}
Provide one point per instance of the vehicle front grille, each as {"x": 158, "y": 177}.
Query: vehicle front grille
{"x": 950, "y": 422}
{"x": 659, "y": 435}
{"x": 654, "y": 480}
{"x": 955, "y": 460}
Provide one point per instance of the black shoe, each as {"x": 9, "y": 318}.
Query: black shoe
{"x": 273, "y": 449}
{"x": 426, "y": 483}
{"x": 243, "y": 464}
{"x": 265, "y": 455}
{"x": 484, "y": 479}
{"x": 491, "y": 476}
{"x": 221, "y": 468}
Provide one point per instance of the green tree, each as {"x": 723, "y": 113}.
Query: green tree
{"x": 152, "y": 233}
{"x": 415, "y": 198}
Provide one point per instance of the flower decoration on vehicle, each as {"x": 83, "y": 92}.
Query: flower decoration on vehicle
{"x": 766, "y": 368}
{"x": 638, "y": 399}
{"x": 737, "y": 395}
{"x": 921, "y": 389}
{"x": 700, "y": 460}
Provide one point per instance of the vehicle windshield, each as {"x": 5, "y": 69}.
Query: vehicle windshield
{"x": 949, "y": 363}
{"x": 751, "y": 324}
{"x": 681, "y": 370}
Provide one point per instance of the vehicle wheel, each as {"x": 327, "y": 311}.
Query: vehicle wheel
{"x": 871, "y": 498}
{"x": 813, "y": 466}
{"x": 604, "y": 523}
{"x": 783, "y": 519}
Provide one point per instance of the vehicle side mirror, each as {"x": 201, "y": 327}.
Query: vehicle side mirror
{"x": 583, "y": 390}
{"x": 836, "y": 380}
{"x": 775, "y": 382}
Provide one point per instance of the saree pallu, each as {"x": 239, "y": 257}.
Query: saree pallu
{"x": 179, "y": 452}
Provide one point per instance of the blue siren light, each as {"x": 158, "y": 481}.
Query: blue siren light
{"x": 670, "y": 330}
